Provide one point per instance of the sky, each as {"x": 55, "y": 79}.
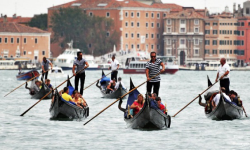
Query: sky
{"x": 28, "y": 8}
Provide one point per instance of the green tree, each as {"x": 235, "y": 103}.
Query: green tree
{"x": 89, "y": 33}
{"x": 39, "y": 21}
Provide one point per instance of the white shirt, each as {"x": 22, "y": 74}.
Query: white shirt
{"x": 114, "y": 64}
{"x": 222, "y": 70}
{"x": 118, "y": 83}
{"x": 217, "y": 98}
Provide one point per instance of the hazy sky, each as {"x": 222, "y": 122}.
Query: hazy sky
{"x": 27, "y": 8}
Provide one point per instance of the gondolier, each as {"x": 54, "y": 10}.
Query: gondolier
{"x": 152, "y": 68}
{"x": 114, "y": 66}
{"x": 45, "y": 67}
{"x": 80, "y": 63}
{"x": 223, "y": 75}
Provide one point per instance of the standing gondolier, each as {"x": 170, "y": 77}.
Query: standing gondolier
{"x": 114, "y": 67}
{"x": 223, "y": 75}
{"x": 45, "y": 67}
{"x": 80, "y": 63}
{"x": 152, "y": 68}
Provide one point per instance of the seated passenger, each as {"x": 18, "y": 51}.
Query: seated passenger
{"x": 47, "y": 82}
{"x": 79, "y": 100}
{"x": 66, "y": 95}
{"x": 37, "y": 86}
{"x": 118, "y": 84}
{"x": 32, "y": 92}
{"x": 138, "y": 104}
{"x": 234, "y": 98}
{"x": 111, "y": 87}
{"x": 216, "y": 99}
{"x": 160, "y": 105}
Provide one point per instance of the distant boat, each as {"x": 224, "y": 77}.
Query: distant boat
{"x": 16, "y": 64}
{"x": 28, "y": 75}
{"x": 67, "y": 58}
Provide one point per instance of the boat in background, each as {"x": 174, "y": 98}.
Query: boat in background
{"x": 67, "y": 58}
{"x": 11, "y": 64}
{"x": 137, "y": 65}
{"x": 28, "y": 75}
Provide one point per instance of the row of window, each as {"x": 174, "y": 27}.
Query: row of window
{"x": 138, "y": 24}
{"x": 138, "y": 46}
{"x": 214, "y": 51}
{"x": 146, "y": 35}
{"x": 146, "y": 15}
{"x": 236, "y": 32}
{"x": 182, "y": 21}
{"x": 18, "y": 53}
{"x": 225, "y": 42}
{"x": 183, "y": 30}
{"x": 5, "y": 40}
{"x": 228, "y": 24}
{"x": 182, "y": 41}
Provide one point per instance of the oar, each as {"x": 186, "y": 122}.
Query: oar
{"x": 49, "y": 93}
{"x": 24, "y": 83}
{"x": 119, "y": 99}
{"x": 195, "y": 98}
{"x": 244, "y": 111}
{"x": 97, "y": 80}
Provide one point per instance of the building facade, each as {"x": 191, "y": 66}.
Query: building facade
{"x": 20, "y": 41}
{"x": 184, "y": 35}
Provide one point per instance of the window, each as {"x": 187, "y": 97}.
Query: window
{"x": 126, "y": 24}
{"x": 196, "y": 30}
{"x": 196, "y": 52}
{"x": 152, "y": 24}
{"x": 196, "y": 22}
{"x": 183, "y": 30}
{"x": 132, "y": 35}
{"x": 169, "y": 51}
{"x": 132, "y": 14}
{"x": 158, "y": 36}
{"x": 35, "y": 40}
{"x": 152, "y": 47}
{"x": 196, "y": 41}
{"x": 207, "y": 51}
{"x": 6, "y": 40}
{"x": 132, "y": 24}
{"x": 126, "y": 35}
{"x": 90, "y": 14}
{"x": 214, "y": 51}
{"x": 207, "y": 24}
{"x": 43, "y": 52}
{"x": 214, "y": 42}
{"x": 146, "y": 36}
{"x": 182, "y": 41}
{"x": 152, "y": 15}
{"x": 215, "y": 23}
{"x": 24, "y": 40}
{"x": 158, "y": 25}
{"x": 168, "y": 41}
{"x": 17, "y": 40}
{"x": 207, "y": 31}
{"x": 215, "y": 32}
{"x": 138, "y": 46}
{"x": 242, "y": 24}
{"x": 169, "y": 30}
{"x": 183, "y": 21}
{"x": 24, "y": 52}
{"x": 207, "y": 42}
{"x": 158, "y": 15}
{"x": 107, "y": 14}
{"x": 146, "y": 24}
{"x": 107, "y": 34}
{"x": 12, "y": 40}
{"x": 247, "y": 11}
{"x": 242, "y": 33}
{"x": 132, "y": 46}
{"x": 90, "y": 45}
{"x": 146, "y": 15}
{"x": 126, "y": 14}
{"x": 158, "y": 46}
{"x": 138, "y": 24}
{"x": 138, "y": 14}
{"x": 152, "y": 36}
{"x": 138, "y": 35}
{"x": 169, "y": 22}
{"x": 164, "y": 15}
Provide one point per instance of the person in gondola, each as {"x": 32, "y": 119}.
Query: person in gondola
{"x": 37, "y": 86}
{"x": 79, "y": 64}
{"x": 32, "y": 92}
{"x": 114, "y": 66}
{"x": 216, "y": 99}
{"x": 45, "y": 67}
{"x": 160, "y": 105}
{"x": 118, "y": 84}
{"x": 66, "y": 95}
{"x": 153, "y": 68}
{"x": 47, "y": 82}
{"x": 223, "y": 75}
{"x": 138, "y": 104}
{"x": 79, "y": 100}
{"x": 111, "y": 86}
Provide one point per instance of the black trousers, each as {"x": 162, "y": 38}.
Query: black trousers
{"x": 46, "y": 74}
{"x": 80, "y": 76}
{"x": 114, "y": 75}
{"x": 225, "y": 83}
{"x": 156, "y": 86}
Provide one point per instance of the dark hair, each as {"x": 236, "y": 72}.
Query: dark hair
{"x": 65, "y": 89}
{"x": 113, "y": 55}
{"x": 157, "y": 98}
{"x": 78, "y": 53}
{"x": 223, "y": 89}
{"x": 152, "y": 53}
{"x": 155, "y": 95}
{"x": 119, "y": 79}
{"x": 75, "y": 91}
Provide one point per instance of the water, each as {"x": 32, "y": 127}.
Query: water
{"x": 190, "y": 129}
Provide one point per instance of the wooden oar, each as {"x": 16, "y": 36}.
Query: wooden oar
{"x": 97, "y": 80}
{"x": 120, "y": 98}
{"x": 49, "y": 93}
{"x": 195, "y": 98}
{"x": 244, "y": 111}
{"x": 24, "y": 83}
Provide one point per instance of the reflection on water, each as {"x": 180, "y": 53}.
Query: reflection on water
{"x": 190, "y": 129}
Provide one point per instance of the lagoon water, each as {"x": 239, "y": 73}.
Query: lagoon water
{"x": 190, "y": 129}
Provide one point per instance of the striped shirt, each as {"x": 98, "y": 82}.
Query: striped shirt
{"x": 80, "y": 64}
{"x": 154, "y": 68}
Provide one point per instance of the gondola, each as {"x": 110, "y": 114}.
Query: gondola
{"x": 116, "y": 94}
{"x": 42, "y": 92}
{"x": 61, "y": 109}
{"x": 28, "y": 75}
{"x": 149, "y": 117}
{"x": 225, "y": 110}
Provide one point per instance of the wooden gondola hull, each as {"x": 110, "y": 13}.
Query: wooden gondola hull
{"x": 225, "y": 111}
{"x": 149, "y": 118}
{"x": 116, "y": 94}
{"x": 43, "y": 91}
{"x": 61, "y": 109}
{"x": 28, "y": 75}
